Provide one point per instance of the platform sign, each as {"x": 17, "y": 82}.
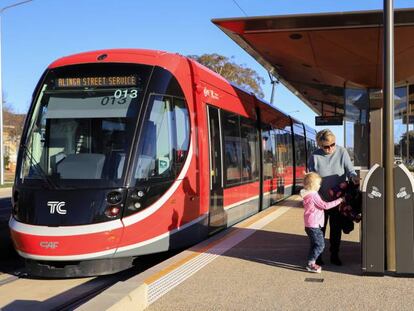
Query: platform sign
{"x": 373, "y": 250}
{"x": 329, "y": 120}
{"x": 404, "y": 220}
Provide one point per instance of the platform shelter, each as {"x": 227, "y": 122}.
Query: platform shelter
{"x": 334, "y": 62}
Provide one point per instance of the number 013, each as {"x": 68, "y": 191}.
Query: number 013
{"x": 125, "y": 93}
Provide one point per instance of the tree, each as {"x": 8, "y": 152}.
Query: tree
{"x": 401, "y": 147}
{"x": 242, "y": 76}
{"x": 12, "y": 122}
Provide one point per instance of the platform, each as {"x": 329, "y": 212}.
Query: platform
{"x": 259, "y": 265}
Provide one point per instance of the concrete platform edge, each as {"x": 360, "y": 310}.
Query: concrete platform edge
{"x": 137, "y": 299}
{"x": 132, "y": 294}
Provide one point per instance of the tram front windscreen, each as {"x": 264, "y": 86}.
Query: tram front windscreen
{"x": 82, "y": 124}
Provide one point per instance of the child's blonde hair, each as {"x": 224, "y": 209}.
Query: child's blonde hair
{"x": 311, "y": 181}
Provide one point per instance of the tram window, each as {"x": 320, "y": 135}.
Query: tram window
{"x": 249, "y": 149}
{"x": 268, "y": 160}
{"x": 232, "y": 148}
{"x": 182, "y": 129}
{"x": 76, "y": 145}
{"x": 310, "y": 147}
{"x": 155, "y": 151}
{"x": 284, "y": 148}
{"x": 300, "y": 151}
{"x": 165, "y": 139}
{"x": 289, "y": 155}
{"x": 82, "y": 133}
{"x": 241, "y": 149}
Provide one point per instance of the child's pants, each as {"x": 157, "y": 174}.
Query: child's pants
{"x": 317, "y": 243}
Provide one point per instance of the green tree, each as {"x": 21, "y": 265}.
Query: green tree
{"x": 12, "y": 122}
{"x": 240, "y": 75}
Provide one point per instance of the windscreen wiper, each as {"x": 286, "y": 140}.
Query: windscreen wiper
{"x": 39, "y": 170}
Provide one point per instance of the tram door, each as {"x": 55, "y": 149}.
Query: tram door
{"x": 217, "y": 215}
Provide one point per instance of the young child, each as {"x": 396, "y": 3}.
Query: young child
{"x": 314, "y": 217}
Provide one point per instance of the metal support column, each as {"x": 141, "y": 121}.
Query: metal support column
{"x": 388, "y": 134}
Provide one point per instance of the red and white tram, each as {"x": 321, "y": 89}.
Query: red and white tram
{"x": 132, "y": 152}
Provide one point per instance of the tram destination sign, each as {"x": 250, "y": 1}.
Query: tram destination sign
{"x": 329, "y": 120}
{"x": 96, "y": 81}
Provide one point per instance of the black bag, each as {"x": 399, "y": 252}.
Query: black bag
{"x": 347, "y": 225}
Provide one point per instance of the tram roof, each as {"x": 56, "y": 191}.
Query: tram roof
{"x": 317, "y": 55}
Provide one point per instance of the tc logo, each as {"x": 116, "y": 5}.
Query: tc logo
{"x": 56, "y": 206}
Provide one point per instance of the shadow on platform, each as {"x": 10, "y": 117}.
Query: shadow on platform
{"x": 289, "y": 251}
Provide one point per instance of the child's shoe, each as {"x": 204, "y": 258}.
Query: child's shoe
{"x": 314, "y": 268}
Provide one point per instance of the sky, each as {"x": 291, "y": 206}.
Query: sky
{"x": 35, "y": 34}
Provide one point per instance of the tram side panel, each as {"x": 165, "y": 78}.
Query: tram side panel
{"x": 239, "y": 148}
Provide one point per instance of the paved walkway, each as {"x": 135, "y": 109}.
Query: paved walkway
{"x": 265, "y": 271}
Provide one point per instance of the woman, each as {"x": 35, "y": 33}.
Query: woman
{"x": 334, "y": 165}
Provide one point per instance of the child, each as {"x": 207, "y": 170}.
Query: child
{"x": 314, "y": 217}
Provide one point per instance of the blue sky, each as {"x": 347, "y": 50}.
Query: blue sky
{"x": 36, "y": 33}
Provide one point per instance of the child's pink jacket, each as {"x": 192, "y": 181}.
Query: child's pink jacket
{"x": 313, "y": 208}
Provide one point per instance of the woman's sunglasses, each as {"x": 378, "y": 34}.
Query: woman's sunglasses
{"x": 329, "y": 146}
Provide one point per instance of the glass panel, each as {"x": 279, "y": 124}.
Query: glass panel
{"x": 410, "y": 121}
{"x": 250, "y": 151}
{"x": 155, "y": 152}
{"x": 300, "y": 151}
{"x": 182, "y": 130}
{"x": 82, "y": 125}
{"x": 310, "y": 143}
{"x": 268, "y": 147}
{"x": 284, "y": 158}
{"x": 357, "y": 126}
{"x": 232, "y": 148}
{"x": 400, "y": 127}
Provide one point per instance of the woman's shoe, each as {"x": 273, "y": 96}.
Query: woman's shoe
{"x": 319, "y": 261}
{"x": 335, "y": 260}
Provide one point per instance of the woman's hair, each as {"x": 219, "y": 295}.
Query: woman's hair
{"x": 311, "y": 181}
{"x": 324, "y": 136}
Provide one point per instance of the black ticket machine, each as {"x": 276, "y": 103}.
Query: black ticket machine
{"x": 404, "y": 219}
{"x": 372, "y": 229}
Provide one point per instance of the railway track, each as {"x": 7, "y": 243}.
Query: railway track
{"x": 12, "y": 274}
{"x": 76, "y": 301}
{"x": 70, "y": 297}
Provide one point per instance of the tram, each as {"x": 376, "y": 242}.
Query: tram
{"x": 130, "y": 152}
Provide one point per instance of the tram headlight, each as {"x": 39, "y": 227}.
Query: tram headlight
{"x": 136, "y": 200}
{"x": 112, "y": 211}
{"x": 114, "y": 197}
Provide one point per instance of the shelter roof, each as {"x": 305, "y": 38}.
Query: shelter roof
{"x": 317, "y": 55}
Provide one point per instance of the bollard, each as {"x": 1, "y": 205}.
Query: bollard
{"x": 373, "y": 222}
{"x": 404, "y": 220}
